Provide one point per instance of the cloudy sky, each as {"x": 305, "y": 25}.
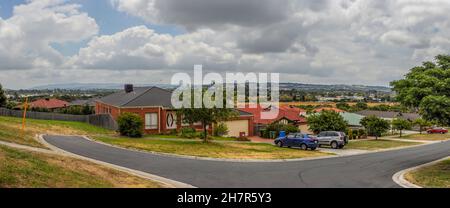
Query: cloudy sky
{"x": 369, "y": 42}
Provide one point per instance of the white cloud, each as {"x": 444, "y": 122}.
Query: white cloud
{"x": 26, "y": 36}
{"x": 326, "y": 41}
{"x": 142, "y": 48}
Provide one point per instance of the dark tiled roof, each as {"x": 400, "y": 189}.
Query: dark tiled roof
{"x": 389, "y": 114}
{"x": 140, "y": 97}
{"x": 90, "y": 102}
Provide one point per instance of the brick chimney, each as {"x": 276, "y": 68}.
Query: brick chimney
{"x": 128, "y": 88}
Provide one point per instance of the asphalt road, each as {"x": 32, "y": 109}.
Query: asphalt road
{"x": 367, "y": 170}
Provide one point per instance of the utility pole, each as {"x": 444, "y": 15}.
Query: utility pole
{"x": 25, "y": 107}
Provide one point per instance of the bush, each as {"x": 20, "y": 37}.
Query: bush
{"x": 243, "y": 139}
{"x": 130, "y": 125}
{"x": 277, "y": 127}
{"x": 188, "y": 132}
{"x": 221, "y": 130}
{"x": 350, "y": 134}
{"x": 355, "y": 134}
{"x": 362, "y": 134}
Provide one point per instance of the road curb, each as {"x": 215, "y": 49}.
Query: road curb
{"x": 400, "y": 179}
{"x": 165, "y": 181}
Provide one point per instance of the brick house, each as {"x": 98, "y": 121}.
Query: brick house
{"x": 154, "y": 106}
{"x": 286, "y": 115}
{"x": 50, "y": 104}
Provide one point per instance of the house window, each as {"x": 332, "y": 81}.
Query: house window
{"x": 151, "y": 121}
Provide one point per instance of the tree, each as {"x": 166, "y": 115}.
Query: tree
{"x": 375, "y": 126}
{"x": 130, "y": 125}
{"x": 343, "y": 106}
{"x": 426, "y": 89}
{"x": 207, "y": 116}
{"x": 3, "y": 98}
{"x": 361, "y": 106}
{"x": 327, "y": 121}
{"x": 401, "y": 124}
{"x": 422, "y": 123}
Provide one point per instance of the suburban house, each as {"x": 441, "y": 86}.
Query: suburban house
{"x": 49, "y": 104}
{"x": 154, "y": 105}
{"x": 89, "y": 102}
{"x": 287, "y": 115}
{"x": 389, "y": 115}
{"x": 353, "y": 119}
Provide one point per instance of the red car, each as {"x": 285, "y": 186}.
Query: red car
{"x": 437, "y": 131}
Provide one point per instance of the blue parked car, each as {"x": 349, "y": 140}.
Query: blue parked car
{"x": 304, "y": 141}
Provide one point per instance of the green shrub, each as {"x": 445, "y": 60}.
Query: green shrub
{"x": 130, "y": 125}
{"x": 243, "y": 139}
{"x": 350, "y": 134}
{"x": 277, "y": 127}
{"x": 362, "y": 134}
{"x": 355, "y": 133}
{"x": 221, "y": 130}
{"x": 188, "y": 132}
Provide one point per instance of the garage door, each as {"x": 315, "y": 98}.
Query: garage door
{"x": 235, "y": 127}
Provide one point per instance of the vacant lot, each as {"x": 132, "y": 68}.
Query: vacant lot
{"x": 377, "y": 144}
{"x": 10, "y": 130}
{"x": 435, "y": 176}
{"x": 229, "y": 150}
{"x": 25, "y": 169}
{"x": 428, "y": 137}
{"x": 332, "y": 103}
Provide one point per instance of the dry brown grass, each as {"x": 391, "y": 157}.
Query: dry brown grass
{"x": 20, "y": 168}
{"x": 11, "y": 130}
{"x": 333, "y": 103}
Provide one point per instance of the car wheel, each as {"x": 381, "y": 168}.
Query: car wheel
{"x": 334, "y": 145}
{"x": 303, "y": 147}
{"x": 280, "y": 144}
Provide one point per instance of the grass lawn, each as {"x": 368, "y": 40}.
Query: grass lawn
{"x": 229, "y": 150}
{"x": 435, "y": 176}
{"x": 377, "y": 144}
{"x": 427, "y": 137}
{"x": 10, "y": 130}
{"x": 25, "y": 169}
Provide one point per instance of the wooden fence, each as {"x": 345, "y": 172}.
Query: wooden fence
{"x": 100, "y": 120}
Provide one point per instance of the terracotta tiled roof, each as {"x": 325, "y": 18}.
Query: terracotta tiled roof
{"x": 285, "y": 112}
{"x": 48, "y": 103}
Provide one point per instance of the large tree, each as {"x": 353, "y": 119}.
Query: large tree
{"x": 426, "y": 88}
{"x": 2, "y": 97}
{"x": 327, "y": 121}
{"x": 375, "y": 126}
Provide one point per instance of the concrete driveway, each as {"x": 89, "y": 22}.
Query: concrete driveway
{"x": 366, "y": 170}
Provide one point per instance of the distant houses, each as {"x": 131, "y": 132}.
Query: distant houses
{"x": 389, "y": 115}
{"x": 47, "y": 104}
